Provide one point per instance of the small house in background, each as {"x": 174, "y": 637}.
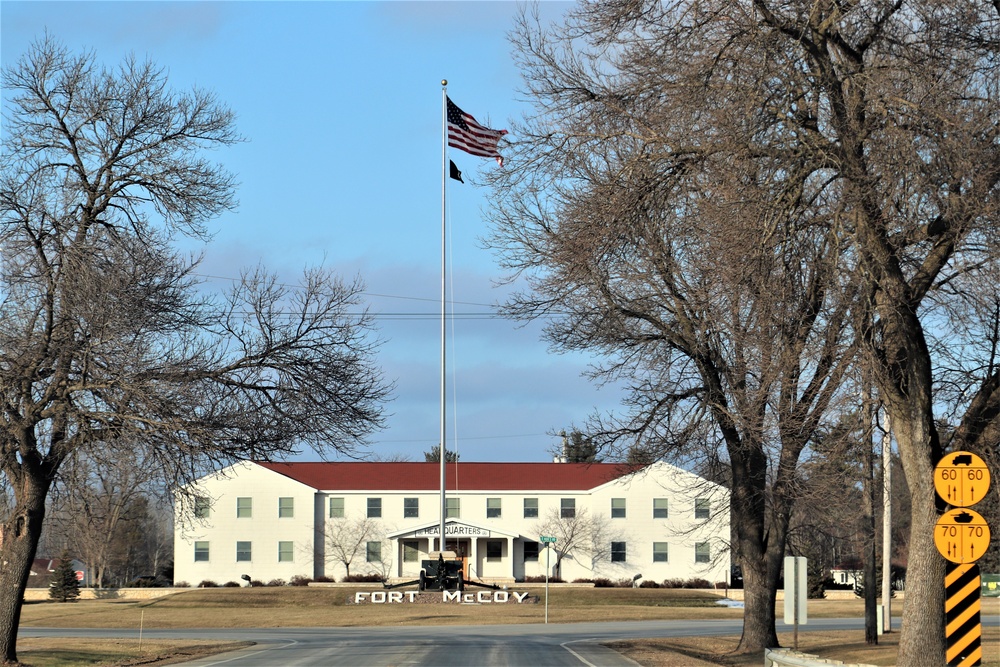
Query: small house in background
{"x": 279, "y": 521}
{"x": 43, "y": 568}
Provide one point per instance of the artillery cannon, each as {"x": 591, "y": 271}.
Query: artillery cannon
{"x": 442, "y": 574}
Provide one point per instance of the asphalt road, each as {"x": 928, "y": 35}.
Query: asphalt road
{"x": 486, "y": 645}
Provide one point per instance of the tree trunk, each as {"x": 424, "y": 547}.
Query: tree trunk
{"x": 759, "y": 549}
{"x": 759, "y": 586}
{"x": 21, "y": 533}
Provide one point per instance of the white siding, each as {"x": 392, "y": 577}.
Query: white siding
{"x": 309, "y": 527}
{"x": 264, "y": 529}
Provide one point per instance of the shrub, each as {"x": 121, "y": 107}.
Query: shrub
{"x": 624, "y": 583}
{"x": 276, "y": 582}
{"x": 299, "y": 580}
{"x": 182, "y": 584}
{"x": 363, "y": 578}
{"x": 646, "y": 583}
{"x": 325, "y": 579}
{"x": 673, "y": 583}
{"x": 540, "y": 579}
{"x": 583, "y": 581}
{"x": 208, "y": 583}
{"x": 256, "y": 583}
{"x": 695, "y": 582}
{"x": 230, "y": 584}
{"x": 603, "y": 582}
{"x": 145, "y": 581}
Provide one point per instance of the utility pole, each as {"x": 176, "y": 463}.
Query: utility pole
{"x": 886, "y": 522}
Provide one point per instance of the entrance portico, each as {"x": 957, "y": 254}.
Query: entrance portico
{"x": 488, "y": 553}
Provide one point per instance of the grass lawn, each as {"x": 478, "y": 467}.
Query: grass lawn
{"x": 328, "y": 607}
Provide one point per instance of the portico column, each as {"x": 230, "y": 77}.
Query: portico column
{"x": 510, "y": 556}
{"x": 475, "y": 557}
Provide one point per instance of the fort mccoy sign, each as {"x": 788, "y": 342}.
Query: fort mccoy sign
{"x": 460, "y": 597}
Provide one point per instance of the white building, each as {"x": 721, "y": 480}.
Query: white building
{"x": 279, "y": 520}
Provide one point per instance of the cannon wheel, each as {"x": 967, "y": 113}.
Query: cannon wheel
{"x": 422, "y": 584}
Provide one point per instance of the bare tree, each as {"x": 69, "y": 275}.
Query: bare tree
{"x": 105, "y": 335}
{"x": 346, "y": 539}
{"x": 580, "y": 535}
{"x": 98, "y": 495}
{"x": 670, "y": 136}
{"x": 696, "y": 270}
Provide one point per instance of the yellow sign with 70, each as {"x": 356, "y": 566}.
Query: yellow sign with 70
{"x": 962, "y": 536}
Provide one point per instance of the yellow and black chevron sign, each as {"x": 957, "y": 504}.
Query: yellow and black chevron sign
{"x": 963, "y": 630}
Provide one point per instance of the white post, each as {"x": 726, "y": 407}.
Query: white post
{"x": 548, "y": 563}
{"x": 796, "y": 593}
{"x": 886, "y": 523}
{"x": 444, "y": 179}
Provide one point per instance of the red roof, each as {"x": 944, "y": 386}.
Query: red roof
{"x": 405, "y": 476}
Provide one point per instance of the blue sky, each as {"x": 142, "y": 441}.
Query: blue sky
{"x": 341, "y": 105}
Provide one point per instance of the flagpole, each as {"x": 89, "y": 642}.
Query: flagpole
{"x": 444, "y": 180}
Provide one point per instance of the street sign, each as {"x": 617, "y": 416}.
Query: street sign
{"x": 543, "y": 538}
{"x": 961, "y": 479}
{"x": 962, "y": 536}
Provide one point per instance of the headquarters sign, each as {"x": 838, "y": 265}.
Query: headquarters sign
{"x": 452, "y": 530}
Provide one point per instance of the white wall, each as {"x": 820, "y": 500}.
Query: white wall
{"x": 638, "y": 529}
{"x": 264, "y": 529}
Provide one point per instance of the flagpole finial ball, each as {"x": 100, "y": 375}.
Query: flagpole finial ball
{"x": 444, "y": 82}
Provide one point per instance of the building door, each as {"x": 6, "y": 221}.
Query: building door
{"x": 461, "y": 549}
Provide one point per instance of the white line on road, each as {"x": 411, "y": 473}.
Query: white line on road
{"x": 240, "y": 655}
{"x": 582, "y": 659}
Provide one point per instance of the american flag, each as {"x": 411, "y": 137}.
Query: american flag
{"x": 466, "y": 134}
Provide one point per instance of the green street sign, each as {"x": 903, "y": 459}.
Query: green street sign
{"x": 547, "y": 539}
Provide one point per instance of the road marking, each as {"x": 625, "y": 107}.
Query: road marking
{"x": 242, "y": 655}
{"x": 582, "y": 659}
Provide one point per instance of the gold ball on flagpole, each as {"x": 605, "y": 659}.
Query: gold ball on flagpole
{"x": 444, "y": 82}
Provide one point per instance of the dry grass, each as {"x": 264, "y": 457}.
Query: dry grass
{"x": 328, "y": 607}
{"x": 847, "y": 646}
{"x": 73, "y": 652}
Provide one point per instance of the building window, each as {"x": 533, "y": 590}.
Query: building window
{"x": 200, "y": 552}
{"x": 336, "y": 508}
{"x": 453, "y": 508}
{"x": 659, "y": 552}
{"x": 702, "y": 552}
{"x": 202, "y": 507}
{"x": 411, "y": 552}
{"x": 494, "y": 551}
{"x": 531, "y": 508}
{"x": 617, "y": 508}
{"x": 617, "y": 552}
{"x": 374, "y": 508}
{"x": 285, "y": 550}
{"x": 492, "y": 508}
{"x": 373, "y": 552}
{"x": 244, "y": 508}
{"x": 286, "y": 508}
{"x": 242, "y": 551}
{"x": 567, "y": 508}
{"x": 659, "y": 508}
{"x": 531, "y": 552}
{"x": 411, "y": 508}
{"x": 702, "y": 508}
